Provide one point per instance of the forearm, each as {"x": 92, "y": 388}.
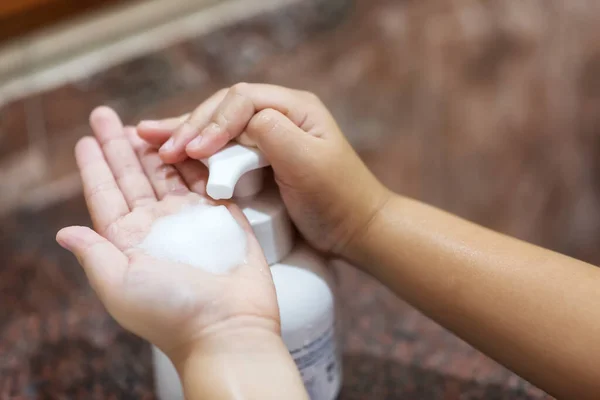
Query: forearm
{"x": 535, "y": 311}
{"x": 241, "y": 365}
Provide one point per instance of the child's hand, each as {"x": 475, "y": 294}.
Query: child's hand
{"x": 171, "y": 305}
{"x": 328, "y": 191}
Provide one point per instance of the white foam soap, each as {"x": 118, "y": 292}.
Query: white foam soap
{"x": 204, "y": 236}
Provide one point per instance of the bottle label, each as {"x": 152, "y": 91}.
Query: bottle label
{"x": 319, "y": 363}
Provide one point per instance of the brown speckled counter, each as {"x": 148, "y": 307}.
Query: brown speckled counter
{"x": 452, "y": 103}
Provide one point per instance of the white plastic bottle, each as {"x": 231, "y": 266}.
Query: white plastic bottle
{"x": 306, "y": 301}
{"x": 303, "y": 281}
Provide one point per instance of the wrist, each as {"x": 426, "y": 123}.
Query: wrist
{"x": 221, "y": 336}
{"x": 369, "y": 206}
{"x": 248, "y": 362}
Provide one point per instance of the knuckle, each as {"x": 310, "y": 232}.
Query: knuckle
{"x": 268, "y": 114}
{"x": 239, "y": 88}
{"x": 129, "y": 169}
{"x": 221, "y": 118}
{"x": 100, "y": 189}
{"x": 240, "y": 98}
{"x": 310, "y": 96}
{"x": 264, "y": 121}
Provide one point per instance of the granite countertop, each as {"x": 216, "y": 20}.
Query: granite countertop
{"x": 452, "y": 103}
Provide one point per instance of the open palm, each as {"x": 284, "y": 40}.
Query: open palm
{"x": 127, "y": 187}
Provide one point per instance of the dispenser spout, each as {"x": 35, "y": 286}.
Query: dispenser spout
{"x": 227, "y": 167}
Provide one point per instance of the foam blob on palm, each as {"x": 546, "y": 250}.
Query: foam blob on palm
{"x": 203, "y": 236}
{"x": 206, "y": 236}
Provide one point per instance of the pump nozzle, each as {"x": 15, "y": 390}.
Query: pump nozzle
{"x": 228, "y": 165}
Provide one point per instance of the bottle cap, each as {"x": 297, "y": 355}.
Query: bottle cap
{"x": 235, "y": 163}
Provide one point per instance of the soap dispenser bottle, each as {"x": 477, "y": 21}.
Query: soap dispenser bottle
{"x": 303, "y": 282}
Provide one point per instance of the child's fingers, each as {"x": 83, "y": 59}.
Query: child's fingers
{"x": 239, "y": 105}
{"x": 104, "y": 199}
{"x": 165, "y": 179}
{"x": 173, "y": 150}
{"x": 159, "y": 131}
{"x": 222, "y": 118}
{"x": 103, "y": 263}
{"x": 121, "y": 158}
{"x": 280, "y": 139}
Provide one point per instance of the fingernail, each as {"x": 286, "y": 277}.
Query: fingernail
{"x": 149, "y": 124}
{"x": 168, "y": 145}
{"x": 194, "y": 144}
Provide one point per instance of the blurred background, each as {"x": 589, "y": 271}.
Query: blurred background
{"x": 485, "y": 109}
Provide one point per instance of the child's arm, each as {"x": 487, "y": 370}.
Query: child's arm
{"x": 535, "y": 311}
{"x": 240, "y": 364}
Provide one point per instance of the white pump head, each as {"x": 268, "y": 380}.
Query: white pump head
{"x": 227, "y": 166}
{"x": 241, "y": 168}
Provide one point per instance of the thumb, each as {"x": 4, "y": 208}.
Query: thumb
{"x": 285, "y": 145}
{"x": 102, "y": 262}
